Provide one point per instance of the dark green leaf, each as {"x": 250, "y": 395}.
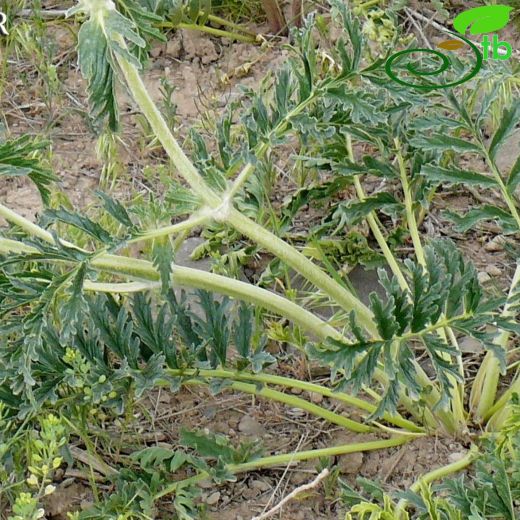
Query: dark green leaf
{"x": 453, "y": 175}
{"x": 80, "y": 222}
{"x": 513, "y": 180}
{"x": 352, "y": 213}
{"x": 162, "y": 253}
{"x": 442, "y": 143}
{"x": 243, "y": 330}
{"x": 116, "y": 209}
{"x": 510, "y": 119}
{"x": 485, "y": 212}
{"x": 20, "y": 157}
{"x": 74, "y": 304}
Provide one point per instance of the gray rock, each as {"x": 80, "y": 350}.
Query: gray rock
{"x": 250, "y": 426}
{"x": 350, "y": 464}
{"x": 260, "y": 485}
{"x": 213, "y": 499}
{"x": 493, "y": 270}
{"x": 483, "y": 277}
{"x": 497, "y": 244}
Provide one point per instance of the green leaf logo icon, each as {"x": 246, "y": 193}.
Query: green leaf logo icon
{"x": 480, "y": 20}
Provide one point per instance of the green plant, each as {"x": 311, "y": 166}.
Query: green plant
{"x": 78, "y": 329}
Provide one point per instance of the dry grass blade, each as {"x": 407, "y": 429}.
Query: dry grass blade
{"x": 305, "y": 487}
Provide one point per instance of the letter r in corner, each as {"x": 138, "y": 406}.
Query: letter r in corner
{"x": 3, "y": 21}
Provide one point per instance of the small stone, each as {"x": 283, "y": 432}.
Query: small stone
{"x": 155, "y": 51}
{"x": 296, "y": 391}
{"x": 249, "y": 493}
{"x": 470, "y": 345}
{"x": 206, "y": 484}
{"x": 497, "y": 244}
{"x": 316, "y": 398}
{"x": 173, "y": 48}
{"x": 493, "y": 270}
{"x": 199, "y": 46}
{"x": 213, "y": 499}
{"x": 260, "y": 485}
{"x": 483, "y": 277}
{"x": 350, "y": 464}
{"x": 250, "y": 426}
{"x": 456, "y": 456}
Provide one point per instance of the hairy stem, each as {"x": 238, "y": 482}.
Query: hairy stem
{"x": 408, "y": 202}
{"x": 286, "y": 459}
{"x": 505, "y": 192}
{"x": 485, "y": 386}
{"x": 304, "y": 266}
{"x": 374, "y": 226}
{"x": 225, "y": 212}
{"x": 436, "y": 475}
{"x": 296, "y": 383}
{"x": 293, "y": 401}
{"x": 456, "y": 399}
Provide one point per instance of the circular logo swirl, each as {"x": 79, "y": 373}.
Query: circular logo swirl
{"x": 444, "y": 65}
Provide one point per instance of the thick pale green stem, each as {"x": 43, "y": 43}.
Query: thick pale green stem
{"x": 162, "y": 131}
{"x": 410, "y": 215}
{"x": 26, "y": 225}
{"x": 374, "y": 227}
{"x": 216, "y": 32}
{"x": 485, "y": 386}
{"x": 304, "y": 266}
{"x": 436, "y": 475}
{"x": 505, "y": 192}
{"x": 293, "y": 401}
{"x": 302, "y": 385}
{"x": 447, "y": 419}
{"x": 290, "y": 458}
{"x": 380, "y": 239}
{"x": 501, "y": 403}
{"x": 223, "y": 21}
{"x": 225, "y": 212}
{"x": 187, "y": 225}
{"x": 457, "y": 396}
{"x": 194, "y": 278}
{"x": 252, "y": 294}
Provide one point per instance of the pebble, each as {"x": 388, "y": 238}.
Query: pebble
{"x": 250, "y": 426}
{"x": 260, "y": 485}
{"x": 497, "y": 244}
{"x": 350, "y": 464}
{"x": 206, "y": 484}
{"x": 174, "y": 48}
{"x": 249, "y": 493}
{"x": 213, "y": 499}
{"x": 296, "y": 391}
{"x": 316, "y": 398}
{"x": 493, "y": 270}
{"x": 156, "y": 51}
{"x": 456, "y": 456}
{"x": 483, "y": 277}
{"x": 470, "y": 345}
